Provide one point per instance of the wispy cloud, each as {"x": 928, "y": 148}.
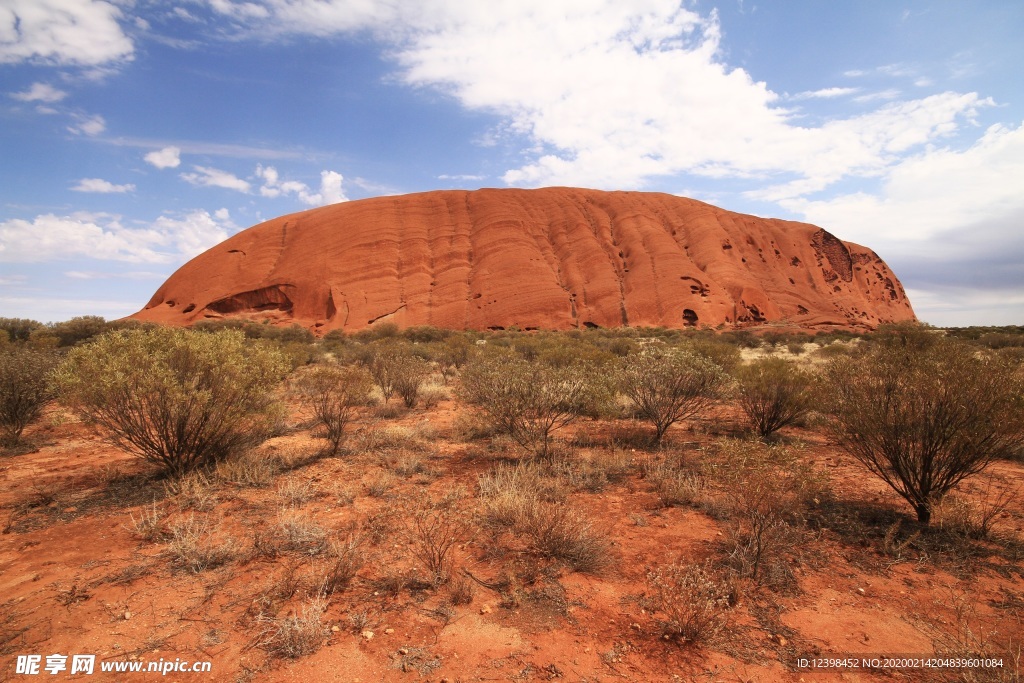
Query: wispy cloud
{"x": 40, "y": 92}
{"x": 462, "y": 176}
{"x": 110, "y": 275}
{"x": 210, "y": 148}
{"x": 824, "y": 93}
{"x": 90, "y": 125}
{"x": 205, "y": 176}
{"x": 101, "y": 186}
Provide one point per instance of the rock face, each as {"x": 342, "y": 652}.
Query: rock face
{"x": 554, "y": 258}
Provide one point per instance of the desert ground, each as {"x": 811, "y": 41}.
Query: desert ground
{"x": 398, "y": 559}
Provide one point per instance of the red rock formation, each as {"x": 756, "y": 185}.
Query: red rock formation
{"x": 553, "y": 258}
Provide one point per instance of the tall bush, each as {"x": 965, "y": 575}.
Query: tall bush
{"x": 669, "y": 385}
{"x": 176, "y": 398}
{"x": 527, "y": 399}
{"x": 773, "y": 393}
{"x": 924, "y": 414}
{"x": 25, "y": 388}
{"x": 333, "y": 393}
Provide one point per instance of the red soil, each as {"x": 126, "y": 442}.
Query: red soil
{"x": 76, "y": 578}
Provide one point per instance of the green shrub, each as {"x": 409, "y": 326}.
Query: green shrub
{"x": 528, "y": 400}
{"x": 669, "y": 385}
{"x": 395, "y": 369}
{"x": 333, "y": 393}
{"x": 773, "y": 393}
{"x": 178, "y": 399}
{"x": 923, "y": 413}
{"x": 19, "y": 329}
{"x": 79, "y": 329}
{"x": 25, "y": 388}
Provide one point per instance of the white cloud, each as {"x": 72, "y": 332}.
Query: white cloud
{"x": 168, "y": 157}
{"x": 948, "y": 222}
{"x": 330, "y": 187}
{"x": 824, "y": 93}
{"x": 197, "y": 231}
{"x": 212, "y": 177}
{"x": 62, "y": 32}
{"x": 102, "y": 236}
{"x": 609, "y": 94}
{"x": 460, "y": 176}
{"x": 879, "y": 96}
{"x": 40, "y": 92}
{"x": 51, "y": 309}
{"x": 102, "y": 186}
{"x": 88, "y": 125}
{"x": 108, "y": 275}
{"x": 931, "y": 193}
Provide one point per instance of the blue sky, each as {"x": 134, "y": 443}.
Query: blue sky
{"x": 134, "y": 134}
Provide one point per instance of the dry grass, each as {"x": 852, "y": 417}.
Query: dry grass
{"x": 296, "y": 492}
{"x": 296, "y": 635}
{"x": 149, "y": 525}
{"x": 193, "y": 491}
{"x": 519, "y": 499}
{"x": 253, "y": 469}
{"x": 345, "y": 559}
{"x": 194, "y": 546}
{"x": 693, "y": 602}
{"x": 379, "y": 484}
{"x": 296, "y": 532}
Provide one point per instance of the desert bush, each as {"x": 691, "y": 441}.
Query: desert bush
{"x": 410, "y": 373}
{"x": 434, "y": 533}
{"x": 693, "y": 601}
{"x": 345, "y": 559}
{"x": 529, "y": 400}
{"x": 669, "y": 385}
{"x": 451, "y": 354}
{"x": 19, "y": 329}
{"x": 149, "y": 525}
{"x": 251, "y": 469}
{"x": 25, "y": 388}
{"x": 923, "y": 413}
{"x": 395, "y": 369}
{"x": 172, "y": 397}
{"x": 520, "y": 498}
{"x": 78, "y": 329}
{"x": 724, "y": 355}
{"x": 567, "y": 535}
{"x": 773, "y": 393}
{"x": 193, "y": 545}
{"x": 333, "y": 393}
{"x": 297, "y": 634}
